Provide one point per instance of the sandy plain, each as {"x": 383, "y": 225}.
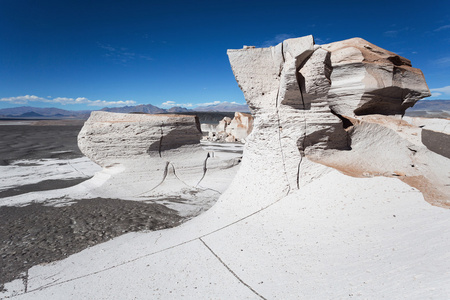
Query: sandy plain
{"x": 40, "y": 156}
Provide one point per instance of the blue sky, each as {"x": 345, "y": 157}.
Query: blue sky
{"x": 90, "y": 54}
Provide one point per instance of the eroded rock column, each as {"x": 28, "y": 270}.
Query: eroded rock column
{"x": 302, "y": 96}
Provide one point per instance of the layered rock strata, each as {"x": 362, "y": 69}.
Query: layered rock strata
{"x": 148, "y": 156}
{"x": 310, "y": 101}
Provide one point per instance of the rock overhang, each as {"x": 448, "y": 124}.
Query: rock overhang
{"x": 311, "y": 101}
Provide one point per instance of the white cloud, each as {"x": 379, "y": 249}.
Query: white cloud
{"x": 444, "y": 61}
{"x": 173, "y": 103}
{"x": 435, "y": 94}
{"x": 23, "y": 99}
{"x": 391, "y": 33}
{"x": 442, "y": 28}
{"x": 65, "y": 101}
{"x": 168, "y": 103}
{"x": 208, "y": 103}
{"x": 440, "y": 91}
{"x": 395, "y": 33}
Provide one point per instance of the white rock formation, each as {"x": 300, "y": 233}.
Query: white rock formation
{"x": 311, "y": 100}
{"x": 291, "y": 226}
{"x": 155, "y": 157}
{"x": 240, "y": 127}
{"x": 230, "y": 130}
{"x": 223, "y": 124}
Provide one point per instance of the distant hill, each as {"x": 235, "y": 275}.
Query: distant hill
{"x": 31, "y": 114}
{"x": 430, "y": 109}
{"x": 223, "y": 107}
{"x": 43, "y": 111}
{"x": 57, "y": 113}
{"x": 142, "y": 108}
{"x": 178, "y": 109}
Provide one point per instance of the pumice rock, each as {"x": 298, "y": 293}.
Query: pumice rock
{"x": 315, "y": 101}
{"x": 230, "y": 130}
{"x": 110, "y": 138}
{"x": 150, "y": 156}
{"x": 317, "y": 198}
{"x": 367, "y": 79}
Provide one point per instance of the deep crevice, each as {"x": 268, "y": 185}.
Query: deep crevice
{"x": 204, "y": 169}
{"x": 299, "y": 77}
{"x": 346, "y": 123}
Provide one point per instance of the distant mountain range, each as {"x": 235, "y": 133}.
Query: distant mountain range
{"x": 430, "y": 109}
{"x": 29, "y": 111}
{"x": 224, "y": 107}
{"x": 52, "y": 112}
{"x": 423, "y": 108}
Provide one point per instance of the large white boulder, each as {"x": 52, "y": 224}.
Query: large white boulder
{"x": 312, "y": 101}
{"x": 152, "y": 157}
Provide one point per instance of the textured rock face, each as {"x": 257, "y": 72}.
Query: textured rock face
{"x": 110, "y": 139}
{"x": 230, "y": 130}
{"x": 367, "y": 79}
{"x": 307, "y": 101}
{"x": 240, "y": 127}
{"x": 150, "y": 156}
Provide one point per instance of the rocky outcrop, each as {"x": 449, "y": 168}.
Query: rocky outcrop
{"x": 149, "y": 156}
{"x": 367, "y": 79}
{"x": 309, "y": 101}
{"x": 230, "y": 130}
{"x": 111, "y": 138}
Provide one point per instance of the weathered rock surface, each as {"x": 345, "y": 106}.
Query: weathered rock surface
{"x": 309, "y": 100}
{"x": 230, "y": 130}
{"x": 289, "y": 226}
{"x": 149, "y": 156}
{"x": 109, "y": 139}
{"x": 240, "y": 127}
{"x": 367, "y": 79}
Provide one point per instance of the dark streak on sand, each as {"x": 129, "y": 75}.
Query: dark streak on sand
{"x": 45, "y": 185}
{"x": 36, "y": 233}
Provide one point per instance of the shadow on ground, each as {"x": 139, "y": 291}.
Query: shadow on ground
{"x": 36, "y": 233}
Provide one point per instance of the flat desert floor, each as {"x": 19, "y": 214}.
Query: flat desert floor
{"x": 38, "y": 156}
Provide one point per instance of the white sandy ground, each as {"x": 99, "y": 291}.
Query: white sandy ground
{"x": 22, "y": 172}
{"x": 17, "y": 174}
{"x": 337, "y": 237}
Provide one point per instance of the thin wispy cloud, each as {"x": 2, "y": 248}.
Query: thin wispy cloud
{"x": 215, "y": 103}
{"x": 173, "y": 103}
{"x": 27, "y": 99}
{"x": 277, "y": 39}
{"x": 209, "y": 103}
{"x": 394, "y": 33}
{"x": 187, "y": 105}
{"x": 443, "y": 61}
{"x": 121, "y": 55}
{"x": 442, "y": 28}
{"x": 441, "y": 91}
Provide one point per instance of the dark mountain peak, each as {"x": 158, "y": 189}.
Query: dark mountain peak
{"x": 31, "y": 114}
{"x": 177, "y": 109}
